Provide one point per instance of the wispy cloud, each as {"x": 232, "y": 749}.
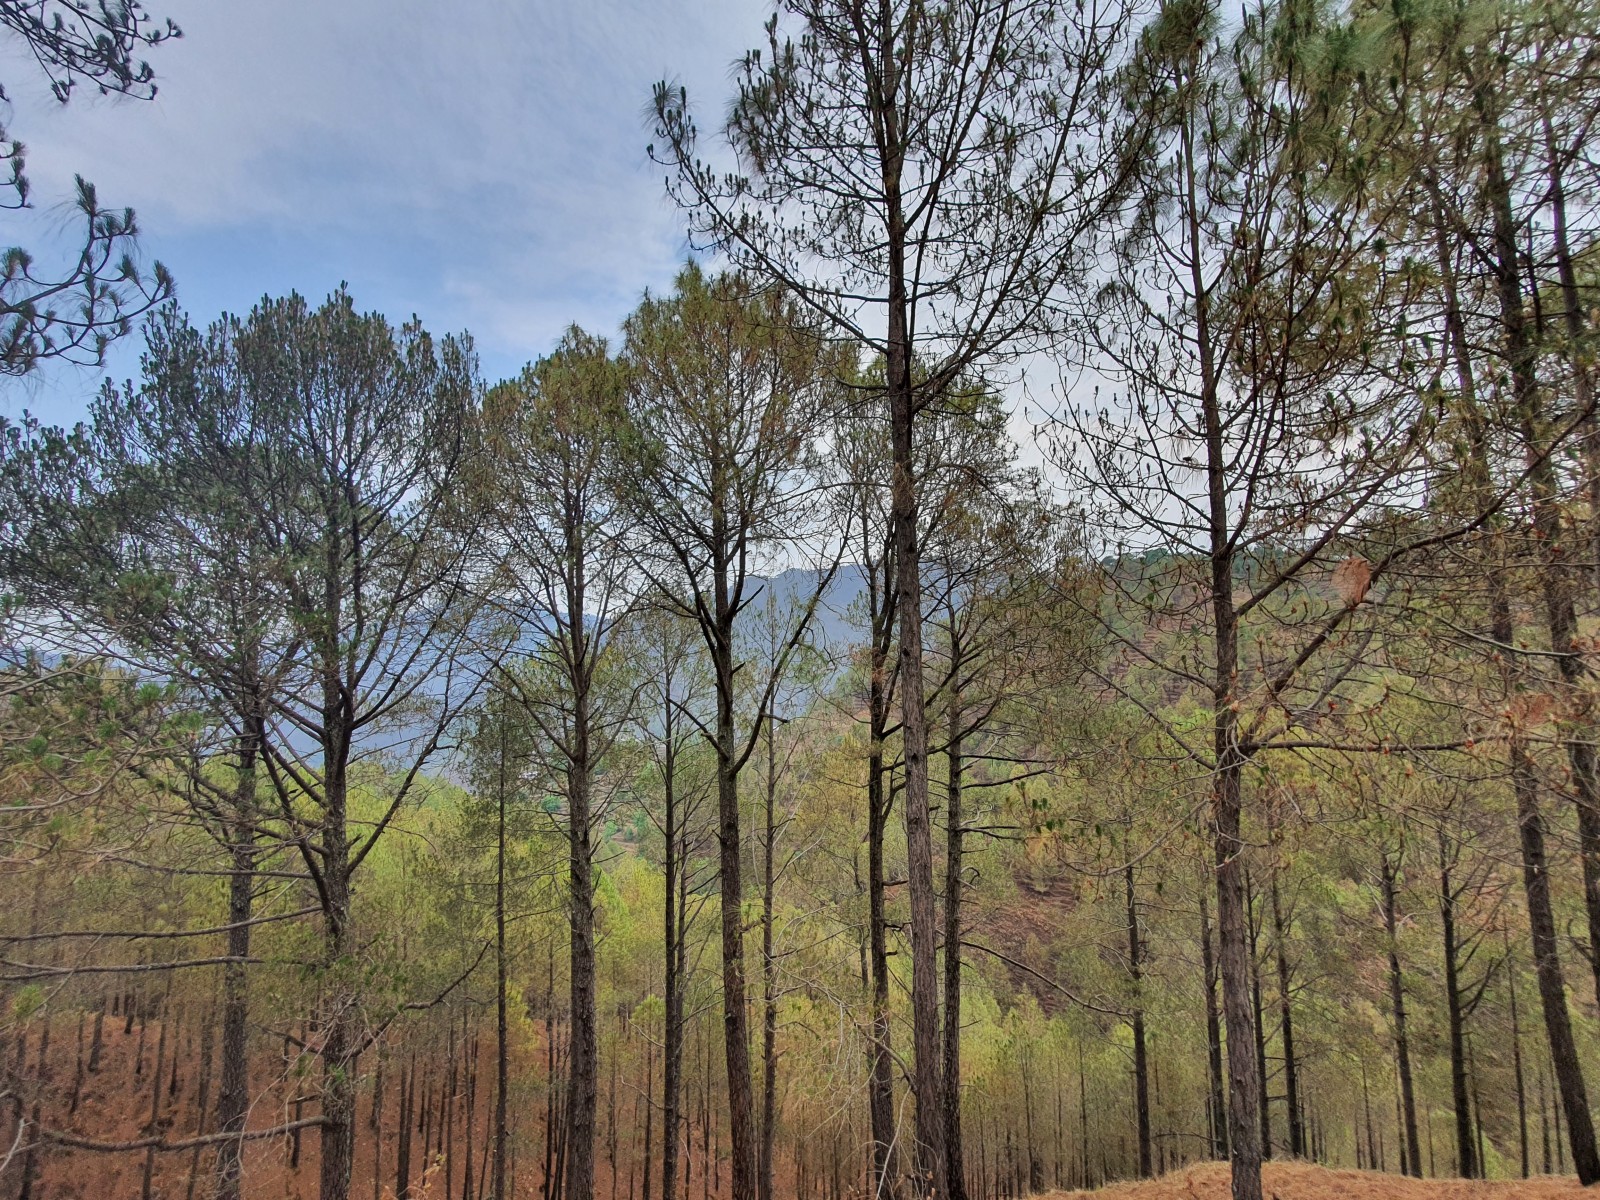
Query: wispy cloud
{"x": 481, "y": 164}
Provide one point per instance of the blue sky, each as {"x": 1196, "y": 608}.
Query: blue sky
{"x": 479, "y": 163}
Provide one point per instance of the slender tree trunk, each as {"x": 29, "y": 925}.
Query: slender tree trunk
{"x": 1397, "y": 1004}
{"x": 402, "y": 1171}
{"x": 1083, "y": 1122}
{"x": 233, "y": 1096}
{"x": 1516, "y": 1057}
{"x": 153, "y": 1125}
{"x": 649, "y": 1113}
{"x": 1547, "y": 967}
{"x": 375, "y": 1125}
{"x": 1400, "y": 1120}
{"x": 880, "y": 1082}
{"x": 769, "y": 980}
{"x": 1141, "y": 1059}
{"x": 926, "y": 1081}
{"x": 1466, "y": 1154}
{"x": 468, "y": 1125}
{"x": 1245, "y": 1096}
{"x": 1555, "y": 1112}
{"x": 672, "y": 1064}
{"x": 611, "y": 1116}
{"x": 502, "y": 1039}
{"x": 583, "y": 1053}
{"x": 1059, "y": 1157}
{"x": 1366, "y": 1108}
{"x": 202, "y": 1100}
{"x": 1477, "y": 1111}
{"x": 426, "y": 1123}
{"x": 1560, "y": 619}
{"x": 955, "y": 1169}
{"x": 1291, "y": 1066}
{"x": 552, "y": 1095}
{"x": 1574, "y": 320}
{"x": 1257, "y": 1012}
{"x": 1244, "y": 1092}
{"x": 708, "y": 1162}
{"x": 735, "y": 1020}
{"x": 1544, "y": 1127}
{"x": 447, "y": 1109}
{"x": 338, "y": 1021}
{"x": 1218, "y": 1102}
{"x": 1560, "y": 609}
{"x": 97, "y": 1039}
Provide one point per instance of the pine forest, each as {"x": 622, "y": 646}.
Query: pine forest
{"x": 1059, "y": 650}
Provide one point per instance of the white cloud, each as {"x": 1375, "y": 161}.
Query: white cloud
{"x": 483, "y": 161}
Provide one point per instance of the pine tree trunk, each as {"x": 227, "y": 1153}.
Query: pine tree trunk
{"x": 1397, "y": 1004}
{"x": 955, "y": 1169}
{"x": 502, "y": 1038}
{"x": 769, "y": 980}
{"x": 408, "y": 1095}
{"x": 926, "y": 1081}
{"x": 1544, "y": 1127}
{"x": 583, "y": 1042}
{"x": 1141, "y": 1060}
{"x": 547, "y": 1179}
{"x": 649, "y": 1114}
{"x": 153, "y": 1125}
{"x": 1257, "y": 1012}
{"x": 1291, "y": 1065}
{"x": 202, "y": 1099}
{"x": 233, "y": 1097}
{"x": 1572, "y": 1094}
{"x": 1561, "y": 622}
{"x": 1560, "y": 611}
{"x": 673, "y": 922}
{"x": 1466, "y": 1153}
{"x": 339, "y": 1048}
{"x": 880, "y": 1080}
{"x": 1084, "y": 1180}
{"x": 735, "y": 1002}
{"x": 1218, "y": 1107}
{"x": 1516, "y": 1058}
{"x": 1246, "y": 1099}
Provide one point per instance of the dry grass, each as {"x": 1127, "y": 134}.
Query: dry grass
{"x": 1302, "y": 1181}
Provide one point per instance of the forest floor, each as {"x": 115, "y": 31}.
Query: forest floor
{"x": 144, "y": 1080}
{"x": 1303, "y": 1181}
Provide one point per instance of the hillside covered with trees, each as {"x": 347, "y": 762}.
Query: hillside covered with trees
{"x": 1061, "y": 648}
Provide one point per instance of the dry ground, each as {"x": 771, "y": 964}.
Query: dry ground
{"x": 1302, "y": 1181}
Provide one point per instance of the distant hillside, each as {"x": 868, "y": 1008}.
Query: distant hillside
{"x": 836, "y": 626}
